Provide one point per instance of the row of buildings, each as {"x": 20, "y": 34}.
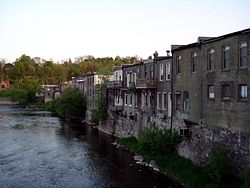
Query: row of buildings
{"x": 200, "y": 91}
{"x": 203, "y": 83}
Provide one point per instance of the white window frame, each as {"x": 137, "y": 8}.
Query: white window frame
{"x": 210, "y": 94}
{"x": 168, "y": 71}
{"x": 126, "y": 99}
{"x": 242, "y": 91}
{"x": 161, "y": 72}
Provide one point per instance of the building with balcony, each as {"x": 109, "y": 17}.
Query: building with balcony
{"x": 114, "y": 92}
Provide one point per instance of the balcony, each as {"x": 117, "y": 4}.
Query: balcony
{"x": 149, "y": 83}
{"x": 114, "y": 84}
{"x": 132, "y": 85}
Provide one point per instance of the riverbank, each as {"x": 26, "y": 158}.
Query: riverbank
{"x": 4, "y": 100}
{"x": 179, "y": 168}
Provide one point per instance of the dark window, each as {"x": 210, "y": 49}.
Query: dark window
{"x": 131, "y": 99}
{"x": 210, "y": 91}
{"x": 242, "y": 91}
{"x": 210, "y": 59}
{"x": 178, "y": 61}
{"x": 226, "y": 57}
{"x": 194, "y": 62}
{"x": 185, "y": 101}
{"x": 243, "y": 54}
{"x": 226, "y": 91}
{"x": 178, "y": 100}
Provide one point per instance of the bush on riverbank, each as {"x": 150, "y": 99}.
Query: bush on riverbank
{"x": 71, "y": 104}
{"x": 24, "y": 91}
{"x": 179, "y": 167}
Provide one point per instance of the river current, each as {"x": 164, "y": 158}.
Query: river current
{"x": 38, "y": 150}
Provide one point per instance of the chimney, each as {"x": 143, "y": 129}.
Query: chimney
{"x": 155, "y": 54}
{"x": 168, "y": 51}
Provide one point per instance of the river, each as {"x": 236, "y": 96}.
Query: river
{"x": 43, "y": 151}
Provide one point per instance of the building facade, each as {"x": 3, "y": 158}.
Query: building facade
{"x": 211, "y": 82}
{"x": 91, "y": 80}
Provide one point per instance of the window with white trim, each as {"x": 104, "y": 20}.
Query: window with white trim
{"x": 185, "y": 101}
{"x": 226, "y": 57}
{"x": 210, "y": 91}
{"x": 164, "y": 101}
{"x": 242, "y": 91}
{"x": 161, "y": 72}
{"x": 243, "y": 54}
{"x": 126, "y": 99}
{"x": 168, "y": 71}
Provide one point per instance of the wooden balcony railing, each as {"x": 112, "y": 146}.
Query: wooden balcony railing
{"x": 146, "y": 83}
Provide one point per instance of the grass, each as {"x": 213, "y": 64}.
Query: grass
{"x": 179, "y": 168}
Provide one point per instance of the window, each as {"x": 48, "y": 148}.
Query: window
{"x": 131, "y": 99}
{"x": 185, "y": 101}
{"x": 178, "y": 100}
{"x": 194, "y": 62}
{"x": 210, "y": 59}
{"x": 226, "y": 91}
{"x": 151, "y": 71}
{"x": 243, "y": 91}
{"x": 226, "y": 58}
{"x": 126, "y": 99}
{"x": 168, "y": 71}
{"x": 142, "y": 99}
{"x": 161, "y": 72}
{"x": 178, "y": 61}
{"x": 210, "y": 91}
{"x": 164, "y": 101}
{"x": 243, "y": 54}
{"x": 158, "y": 100}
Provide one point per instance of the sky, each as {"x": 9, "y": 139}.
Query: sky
{"x": 62, "y": 29}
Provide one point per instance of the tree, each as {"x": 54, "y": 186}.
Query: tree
{"x": 100, "y": 112}
{"x": 71, "y": 104}
{"x": 24, "y": 92}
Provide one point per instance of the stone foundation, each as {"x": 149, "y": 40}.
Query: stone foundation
{"x": 198, "y": 146}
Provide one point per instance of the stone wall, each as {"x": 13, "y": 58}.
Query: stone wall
{"x": 198, "y": 146}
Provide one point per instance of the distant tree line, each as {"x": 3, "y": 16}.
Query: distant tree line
{"x": 49, "y": 72}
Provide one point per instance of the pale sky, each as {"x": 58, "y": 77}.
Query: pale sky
{"x": 61, "y": 29}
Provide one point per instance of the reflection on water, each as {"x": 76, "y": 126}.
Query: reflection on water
{"x": 42, "y": 151}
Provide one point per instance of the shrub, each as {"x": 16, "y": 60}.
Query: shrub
{"x": 157, "y": 141}
{"x": 71, "y": 104}
{"x": 246, "y": 179}
{"x": 218, "y": 165}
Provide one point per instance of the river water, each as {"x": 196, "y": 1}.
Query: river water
{"x": 42, "y": 151}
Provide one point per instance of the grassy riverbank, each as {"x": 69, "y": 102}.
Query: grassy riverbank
{"x": 181, "y": 169}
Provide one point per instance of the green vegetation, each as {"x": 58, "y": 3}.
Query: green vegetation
{"x": 246, "y": 179}
{"x": 49, "y": 72}
{"x": 218, "y": 165}
{"x": 24, "y": 91}
{"x": 156, "y": 141}
{"x": 100, "y": 112}
{"x": 178, "y": 167}
{"x": 71, "y": 104}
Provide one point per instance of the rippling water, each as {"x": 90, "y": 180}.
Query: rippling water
{"x": 42, "y": 151}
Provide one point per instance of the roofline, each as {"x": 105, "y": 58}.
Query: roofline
{"x": 212, "y": 39}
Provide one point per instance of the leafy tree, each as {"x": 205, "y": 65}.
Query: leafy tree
{"x": 100, "y": 112}
{"x": 24, "y": 92}
{"x": 71, "y": 104}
